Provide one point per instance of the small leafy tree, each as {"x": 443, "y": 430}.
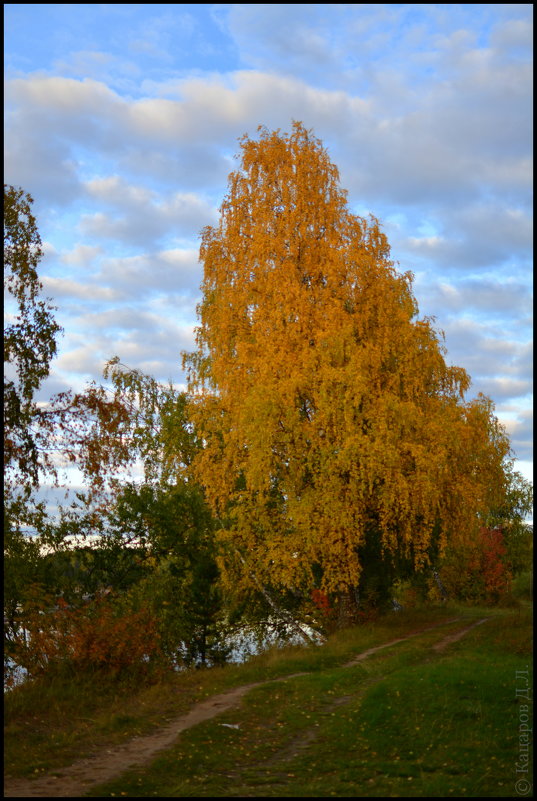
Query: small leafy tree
{"x": 478, "y": 571}
{"x": 30, "y": 342}
{"x": 511, "y": 517}
{"x": 173, "y": 528}
{"x": 163, "y": 519}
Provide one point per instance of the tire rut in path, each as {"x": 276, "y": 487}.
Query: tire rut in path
{"x": 78, "y": 778}
{"x": 439, "y": 646}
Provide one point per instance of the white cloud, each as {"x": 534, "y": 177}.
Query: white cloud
{"x": 141, "y": 217}
{"x": 65, "y": 287}
{"x": 447, "y": 136}
{"x": 520, "y": 431}
{"x": 94, "y": 64}
{"x": 494, "y": 298}
{"x": 172, "y": 271}
{"x": 82, "y": 255}
{"x": 504, "y": 388}
{"x": 475, "y": 235}
{"x": 142, "y": 340}
{"x": 515, "y": 33}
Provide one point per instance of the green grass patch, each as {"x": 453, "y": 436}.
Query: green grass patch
{"x": 407, "y": 721}
{"x": 50, "y": 722}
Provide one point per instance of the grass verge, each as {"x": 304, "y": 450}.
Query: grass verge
{"x": 405, "y": 722}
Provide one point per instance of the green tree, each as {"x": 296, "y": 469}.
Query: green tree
{"x": 163, "y": 519}
{"x": 171, "y": 529}
{"x": 335, "y": 434}
{"x": 29, "y": 342}
{"x": 511, "y": 516}
{"x": 149, "y": 544}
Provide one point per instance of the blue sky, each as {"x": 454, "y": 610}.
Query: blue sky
{"x": 122, "y": 120}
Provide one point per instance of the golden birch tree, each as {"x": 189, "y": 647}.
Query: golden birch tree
{"x": 328, "y": 413}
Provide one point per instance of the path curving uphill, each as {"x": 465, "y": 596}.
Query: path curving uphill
{"x": 75, "y": 780}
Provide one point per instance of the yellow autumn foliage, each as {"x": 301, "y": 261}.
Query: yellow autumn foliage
{"x": 325, "y": 404}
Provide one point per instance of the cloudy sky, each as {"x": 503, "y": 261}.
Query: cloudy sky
{"x": 122, "y": 121}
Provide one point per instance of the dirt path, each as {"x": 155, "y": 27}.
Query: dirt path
{"x": 73, "y": 781}
{"x": 77, "y": 779}
{"x": 439, "y": 646}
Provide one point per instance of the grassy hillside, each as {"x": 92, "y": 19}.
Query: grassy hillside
{"x": 408, "y": 720}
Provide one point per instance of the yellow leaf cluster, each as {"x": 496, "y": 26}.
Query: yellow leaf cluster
{"x": 326, "y": 406}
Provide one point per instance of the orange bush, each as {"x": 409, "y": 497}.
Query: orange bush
{"x": 481, "y": 572}
{"x": 99, "y": 636}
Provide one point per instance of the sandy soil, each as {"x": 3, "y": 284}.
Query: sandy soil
{"x": 77, "y": 779}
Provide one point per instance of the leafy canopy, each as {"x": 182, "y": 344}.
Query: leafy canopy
{"x": 328, "y": 413}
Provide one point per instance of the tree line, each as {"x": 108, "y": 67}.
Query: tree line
{"x": 323, "y": 453}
